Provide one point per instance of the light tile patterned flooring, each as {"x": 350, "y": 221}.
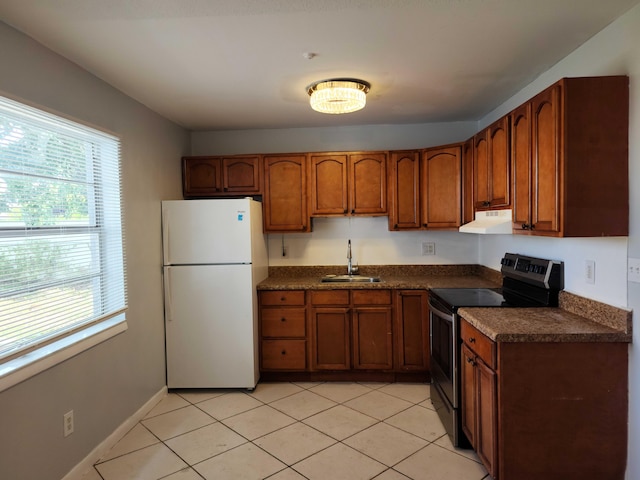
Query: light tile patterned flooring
{"x": 289, "y": 431}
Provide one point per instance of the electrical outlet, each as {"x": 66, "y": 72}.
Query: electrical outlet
{"x": 633, "y": 274}
{"x": 428, "y": 248}
{"x": 67, "y": 420}
{"x": 590, "y": 271}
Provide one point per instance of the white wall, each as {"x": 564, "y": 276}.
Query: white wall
{"x": 371, "y": 244}
{"x": 108, "y": 383}
{"x": 614, "y": 51}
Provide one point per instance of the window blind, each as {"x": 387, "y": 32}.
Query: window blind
{"x": 61, "y": 240}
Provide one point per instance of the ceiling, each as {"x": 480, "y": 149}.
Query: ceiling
{"x": 241, "y": 64}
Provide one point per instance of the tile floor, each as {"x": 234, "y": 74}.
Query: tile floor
{"x": 288, "y": 431}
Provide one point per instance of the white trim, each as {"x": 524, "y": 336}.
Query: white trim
{"x": 78, "y": 472}
{"x": 39, "y": 360}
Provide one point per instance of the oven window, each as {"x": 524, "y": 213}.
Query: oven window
{"x": 442, "y": 347}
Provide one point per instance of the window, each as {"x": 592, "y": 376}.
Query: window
{"x": 62, "y": 276}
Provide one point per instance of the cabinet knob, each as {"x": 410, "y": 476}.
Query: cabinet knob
{"x": 353, "y": 211}
{"x": 283, "y": 319}
{"x": 470, "y": 361}
{"x": 525, "y": 226}
{"x": 282, "y": 299}
{"x": 472, "y": 340}
{"x": 284, "y": 352}
{"x": 531, "y": 226}
{"x": 395, "y": 227}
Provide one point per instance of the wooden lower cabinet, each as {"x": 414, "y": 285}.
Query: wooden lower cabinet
{"x": 283, "y": 331}
{"x": 551, "y": 410}
{"x": 479, "y": 396}
{"x": 351, "y": 330}
{"x": 412, "y": 330}
{"x": 345, "y": 334}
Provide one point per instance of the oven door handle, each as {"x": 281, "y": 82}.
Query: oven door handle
{"x": 447, "y": 316}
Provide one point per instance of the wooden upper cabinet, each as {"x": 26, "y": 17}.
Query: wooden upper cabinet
{"x": 521, "y": 166}
{"x": 404, "y": 190}
{"x": 425, "y": 189}
{"x": 468, "y": 211}
{"x": 285, "y": 194}
{"x": 368, "y": 184}
{"x": 241, "y": 175}
{"x": 441, "y": 187}
{"x": 219, "y": 176}
{"x": 329, "y": 185}
{"x": 576, "y": 180}
{"x": 348, "y": 184}
{"x": 491, "y": 166}
{"x": 201, "y": 176}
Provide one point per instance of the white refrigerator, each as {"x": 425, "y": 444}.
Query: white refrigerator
{"x": 215, "y": 253}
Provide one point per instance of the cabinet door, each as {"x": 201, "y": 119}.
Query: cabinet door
{"x": 241, "y": 175}
{"x": 487, "y": 420}
{"x": 441, "y": 183}
{"x": 404, "y": 191}
{"x": 412, "y": 330}
{"x": 372, "y": 338}
{"x": 468, "y": 211}
{"x": 499, "y": 177}
{"x": 329, "y": 185}
{"x": 469, "y": 395}
{"x": 201, "y": 176}
{"x": 521, "y": 164}
{"x": 368, "y": 184}
{"x": 546, "y": 156}
{"x": 330, "y": 338}
{"x": 285, "y": 191}
{"x": 481, "y": 170}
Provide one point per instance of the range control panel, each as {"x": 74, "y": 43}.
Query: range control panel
{"x": 535, "y": 271}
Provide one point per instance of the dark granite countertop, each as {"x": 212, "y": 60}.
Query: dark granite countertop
{"x": 541, "y": 325}
{"x": 577, "y": 319}
{"x": 391, "y": 276}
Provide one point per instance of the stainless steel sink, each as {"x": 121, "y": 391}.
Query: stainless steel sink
{"x": 349, "y": 278}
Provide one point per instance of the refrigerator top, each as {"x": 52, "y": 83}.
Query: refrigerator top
{"x": 205, "y": 232}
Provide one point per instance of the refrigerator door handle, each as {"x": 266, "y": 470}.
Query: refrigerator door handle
{"x": 167, "y": 295}
{"x": 165, "y": 237}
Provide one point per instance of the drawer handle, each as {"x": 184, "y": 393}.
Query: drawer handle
{"x": 282, "y": 299}
{"x": 284, "y": 352}
{"x": 283, "y": 319}
{"x": 472, "y": 340}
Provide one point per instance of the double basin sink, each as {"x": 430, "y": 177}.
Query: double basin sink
{"x": 349, "y": 279}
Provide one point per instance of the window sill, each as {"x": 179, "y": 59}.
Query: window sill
{"x": 32, "y": 363}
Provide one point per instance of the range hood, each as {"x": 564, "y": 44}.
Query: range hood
{"x": 490, "y": 222}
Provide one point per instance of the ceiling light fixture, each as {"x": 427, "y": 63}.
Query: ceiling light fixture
{"x": 338, "y": 95}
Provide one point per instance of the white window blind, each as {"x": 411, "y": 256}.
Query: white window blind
{"x": 61, "y": 243}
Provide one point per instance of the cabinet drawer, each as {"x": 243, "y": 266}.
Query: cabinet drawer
{"x": 477, "y": 341}
{"x": 283, "y": 322}
{"x": 284, "y": 354}
{"x": 330, "y": 297}
{"x": 371, "y": 297}
{"x": 282, "y": 297}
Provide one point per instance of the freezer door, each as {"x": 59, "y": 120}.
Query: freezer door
{"x": 197, "y": 232}
{"x": 211, "y": 327}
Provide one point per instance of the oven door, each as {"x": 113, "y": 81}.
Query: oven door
{"x": 445, "y": 350}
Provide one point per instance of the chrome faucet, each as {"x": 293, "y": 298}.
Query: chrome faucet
{"x": 351, "y": 270}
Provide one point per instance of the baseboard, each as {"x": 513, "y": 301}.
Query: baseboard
{"x": 97, "y": 453}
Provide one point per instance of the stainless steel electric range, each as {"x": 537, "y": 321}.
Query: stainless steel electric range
{"x": 526, "y": 282}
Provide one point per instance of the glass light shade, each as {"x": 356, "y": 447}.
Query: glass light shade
{"x": 338, "y": 96}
